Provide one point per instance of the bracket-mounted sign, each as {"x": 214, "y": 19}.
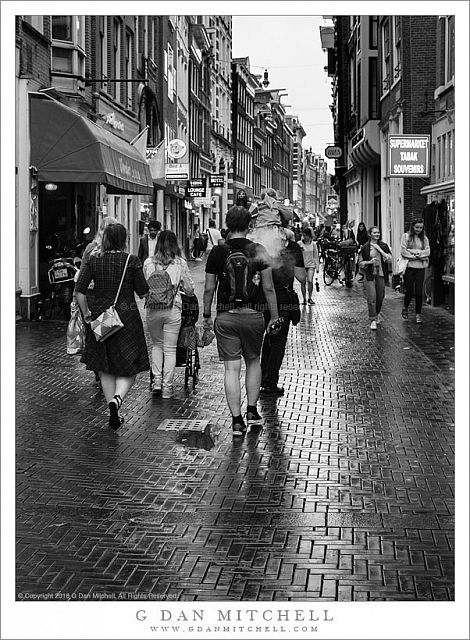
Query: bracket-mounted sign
{"x": 333, "y": 152}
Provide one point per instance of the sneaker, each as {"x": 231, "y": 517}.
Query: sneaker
{"x": 373, "y": 325}
{"x": 404, "y": 313}
{"x": 419, "y": 320}
{"x": 254, "y": 420}
{"x": 272, "y": 390}
{"x": 156, "y": 389}
{"x": 238, "y": 429}
{"x": 198, "y": 259}
{"x": 310, "y": 301}
{"x": 167, "y": 393}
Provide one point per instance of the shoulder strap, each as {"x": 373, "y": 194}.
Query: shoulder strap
{"x": 208, "y": 231}
{"x": 122, "y": 278}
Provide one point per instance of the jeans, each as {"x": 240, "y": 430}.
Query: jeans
{"x": 414, "y": 281}
{"x": 164, "y": 326}
{"x": 272, "y": 354}
{"x": 375, "y": 293}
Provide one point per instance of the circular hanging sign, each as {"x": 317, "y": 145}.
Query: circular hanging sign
{"x": 176, "y": 149}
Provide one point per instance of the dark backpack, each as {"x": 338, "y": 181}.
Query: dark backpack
{"x": 241, "y": 280}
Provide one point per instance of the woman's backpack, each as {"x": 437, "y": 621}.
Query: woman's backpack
{"x": 162, "y": 291}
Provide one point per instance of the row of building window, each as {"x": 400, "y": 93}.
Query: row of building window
{"x": 444, "y": 154}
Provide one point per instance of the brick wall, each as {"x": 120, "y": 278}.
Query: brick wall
{"x": 414, "y": 94}
{"x": 418, "y": 84}
{"x": 35, "y": 51}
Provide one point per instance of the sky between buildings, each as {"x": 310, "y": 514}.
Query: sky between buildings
{"x": 289, "y": 47}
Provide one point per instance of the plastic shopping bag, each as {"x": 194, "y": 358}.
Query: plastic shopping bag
{"x": 75, "y": 331}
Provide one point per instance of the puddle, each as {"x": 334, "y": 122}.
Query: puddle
{"x": 196, "y": 439}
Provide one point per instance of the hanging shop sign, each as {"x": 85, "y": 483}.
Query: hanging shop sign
{"x": 202, "y": 202}
{"x": 215, "y": 180}
{"x": 176, "y": 149}
{"x": 333, "y": 152}
{"x": 177, "y": 171}
{"x": 196, "y": 188}
{"x": 408, "y": 156}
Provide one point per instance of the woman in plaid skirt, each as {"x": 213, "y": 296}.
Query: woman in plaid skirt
{"x": 124, "y": 354}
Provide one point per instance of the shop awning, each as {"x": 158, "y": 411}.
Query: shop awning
{"x": 67, "y": 147}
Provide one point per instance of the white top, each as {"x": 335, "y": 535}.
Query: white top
{"x": 213, "y": 237}
{"x": 310, "y": 254}
{"x": 152, "y": 245}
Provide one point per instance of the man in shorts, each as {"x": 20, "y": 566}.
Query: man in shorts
{"x": 239, "y": 329}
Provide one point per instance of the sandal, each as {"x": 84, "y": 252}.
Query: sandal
{"x": 115, "y": 420}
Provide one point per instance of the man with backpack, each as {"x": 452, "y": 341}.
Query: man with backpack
{"x": 240, "y": 271}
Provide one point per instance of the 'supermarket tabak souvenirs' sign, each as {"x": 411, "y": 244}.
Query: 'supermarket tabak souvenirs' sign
{"x": 408, "y": 156}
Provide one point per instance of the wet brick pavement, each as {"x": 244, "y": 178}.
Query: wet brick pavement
{"x": 346, "y": 495}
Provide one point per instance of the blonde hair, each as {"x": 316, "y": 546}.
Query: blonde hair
{"x": 98, "y": 239}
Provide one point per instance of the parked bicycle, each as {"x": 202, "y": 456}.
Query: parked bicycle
{"x": 348, "y": 255}
{"x": 333, "y": 265}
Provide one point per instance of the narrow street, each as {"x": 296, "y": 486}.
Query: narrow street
{"x": 346, "y": 495}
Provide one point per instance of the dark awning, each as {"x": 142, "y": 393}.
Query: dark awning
{"x": 67, "y": 147}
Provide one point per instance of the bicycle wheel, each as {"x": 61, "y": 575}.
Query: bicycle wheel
{"x": 348, "y": 273}
{"x": 329, "y": 273}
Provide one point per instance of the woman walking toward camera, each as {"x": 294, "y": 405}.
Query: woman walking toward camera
{"x": 311, "y": 262}
{"x": 375, "y": 259}
{"x": 124, "y": 354}
{"x": 166, "y": 272}
{"x": 415, "y": 249}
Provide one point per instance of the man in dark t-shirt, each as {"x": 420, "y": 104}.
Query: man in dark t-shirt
{"x": 290, "y": 265}
{"x": 239, "y": 330}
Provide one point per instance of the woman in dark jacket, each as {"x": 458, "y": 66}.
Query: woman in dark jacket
{"x": 361, "y": 239}
{"x": 124, "y": 354}
{"x": 375, "y": 258}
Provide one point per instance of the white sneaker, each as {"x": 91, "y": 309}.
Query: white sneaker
{"x": 373, "y": 325}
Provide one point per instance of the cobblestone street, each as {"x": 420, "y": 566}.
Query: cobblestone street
{"x": 346, "y": 495}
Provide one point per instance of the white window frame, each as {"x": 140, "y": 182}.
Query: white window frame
{"x": 385, "y": 72}
{"x": 449, "y": 78}
{"x": 396, "y": 52}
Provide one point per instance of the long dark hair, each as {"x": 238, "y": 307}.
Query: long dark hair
{"x": 167, "y": 248}
{"x": 412, "y": 235}
{"x": 114, "y": 238}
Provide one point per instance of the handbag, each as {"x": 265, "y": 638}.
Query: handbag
{"x": 402, "y": 263}
{"x": 107, "y": 323}
{"x": 76, "y": 331}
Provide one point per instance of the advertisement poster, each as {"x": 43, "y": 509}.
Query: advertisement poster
{"x": 342, "y": 512}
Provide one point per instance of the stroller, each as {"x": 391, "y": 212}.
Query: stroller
{"x": 187, "y": 354}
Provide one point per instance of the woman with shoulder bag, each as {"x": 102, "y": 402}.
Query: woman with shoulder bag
{"x": 164, "y": 308}
{"x": 123, "y": 355}
{"x": 375, "y": 258}
{"x": 415, "y": 248}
